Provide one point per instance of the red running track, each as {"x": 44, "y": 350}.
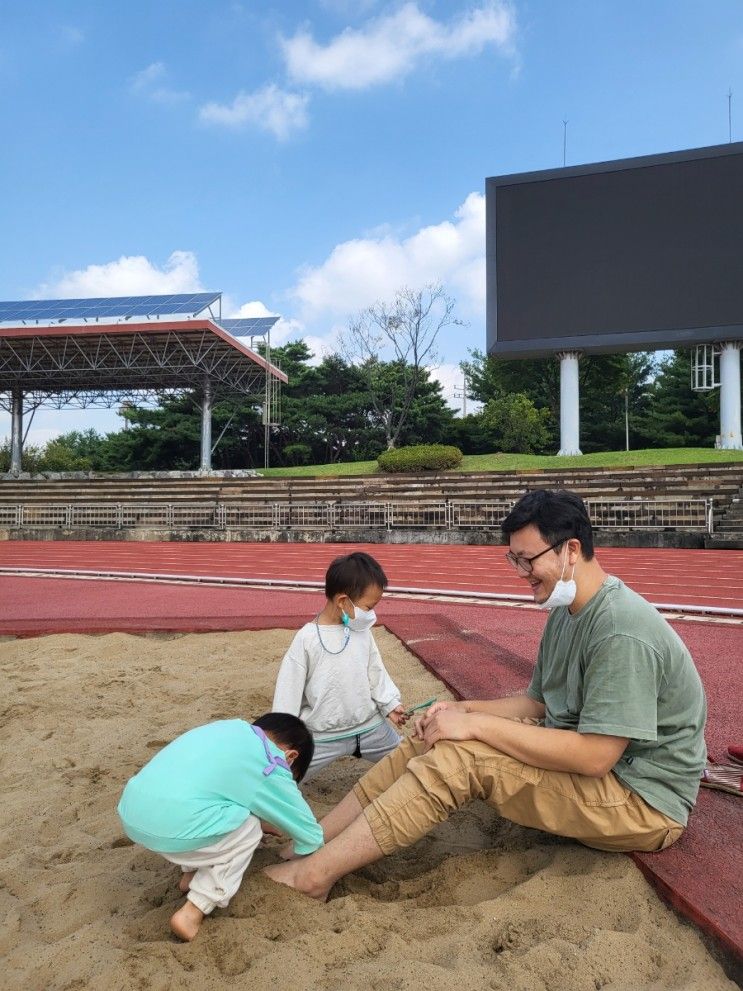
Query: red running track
{"x": 701, "y": 578}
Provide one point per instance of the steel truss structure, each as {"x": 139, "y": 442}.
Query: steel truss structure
{"x": 104, "y": 365}
{"x": 148, "y": 359}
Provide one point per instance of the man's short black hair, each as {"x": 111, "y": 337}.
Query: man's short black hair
{"x": 558, "y": 514}
{"x": 352, "y": 575}
{"x": 289, "y": 733}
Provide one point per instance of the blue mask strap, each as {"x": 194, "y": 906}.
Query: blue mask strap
{"x": 273, "y": 760}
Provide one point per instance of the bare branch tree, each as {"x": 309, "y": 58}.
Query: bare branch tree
{"x": 392, "y": 344}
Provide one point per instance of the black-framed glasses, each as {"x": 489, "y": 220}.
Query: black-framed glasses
{"x": 526, "y": 564}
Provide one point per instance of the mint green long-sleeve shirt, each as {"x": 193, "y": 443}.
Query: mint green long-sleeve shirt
{"x": 206, "y": 783}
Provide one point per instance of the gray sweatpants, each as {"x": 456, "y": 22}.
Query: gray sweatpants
{"x": 372, "y": 746}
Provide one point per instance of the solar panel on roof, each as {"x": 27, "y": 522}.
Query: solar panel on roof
{"x": 184, "y": 304}
{"x": 248, "y": 326}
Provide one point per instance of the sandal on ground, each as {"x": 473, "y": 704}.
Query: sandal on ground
{"x": 735, "y": 754}
{"x": 723, "y": 777}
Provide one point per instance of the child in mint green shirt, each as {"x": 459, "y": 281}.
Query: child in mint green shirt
{"x": 203, "y": 800}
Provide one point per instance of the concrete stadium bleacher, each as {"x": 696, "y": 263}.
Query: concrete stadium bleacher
{"x": 718, "y": 481}
{"x": 722, "y": 483}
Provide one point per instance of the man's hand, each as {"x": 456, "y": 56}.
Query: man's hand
{"x": 422, "y": 720}
{"x": 398, "y": 715}
{"x": 443, "y": 721}
{"x": 447, "y": 724}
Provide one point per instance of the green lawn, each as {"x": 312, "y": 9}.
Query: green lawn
{"x": 535, "y": 462}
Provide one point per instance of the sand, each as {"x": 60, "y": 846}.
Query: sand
{"x": 480, "y": 903}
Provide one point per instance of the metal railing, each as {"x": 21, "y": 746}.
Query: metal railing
{"x": 606, "y": 514}
{"x": 651, "y": 514}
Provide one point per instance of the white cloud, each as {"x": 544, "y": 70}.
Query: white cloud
{"x": 130, "y": 275}
{"x": 355, "y": 274}
{"x": 359, "y": 272}
{"x": 392, "y": 45}
{"x": 281, "y": 331}
{"x": 152, "y": 84}
{"x": 147, "y": 78}
{"x": 320, "y": 347}
{"x": 255, "y": 308}
{"x": 136, "y": 275}
{"x": 270, "y": 108}
{"x": 50, "y": 423}
{"x": 452, "y": 383}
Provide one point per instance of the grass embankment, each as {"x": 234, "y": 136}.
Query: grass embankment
{"x": 534, "y": 462}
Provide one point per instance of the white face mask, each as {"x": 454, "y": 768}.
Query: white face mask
{"x": 564, "y": 592}
{"x": 363, "y": 619}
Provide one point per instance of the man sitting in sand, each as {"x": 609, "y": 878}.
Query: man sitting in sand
{"x": 606, "y": 745}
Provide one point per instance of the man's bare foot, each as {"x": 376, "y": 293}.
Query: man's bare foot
{"x": 186, "y": 922}
{"x": 185, "y": 882}
{"x": 296, "y": 874}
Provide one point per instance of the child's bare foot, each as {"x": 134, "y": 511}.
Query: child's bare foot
{"x": 185, "y": 882}
{"x": 296, "y": 874}
{"x": 186, "y": 922}
{"x": 286, "y": 852}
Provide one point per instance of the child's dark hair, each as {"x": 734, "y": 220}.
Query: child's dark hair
{"x": 558, "y": 514}
{"x": 289, "y": 732}
{"x": 352, "y": 574}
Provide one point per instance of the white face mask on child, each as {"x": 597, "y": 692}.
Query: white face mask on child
{"x": 363, "y": 619}
{"x": 564, "y": 592}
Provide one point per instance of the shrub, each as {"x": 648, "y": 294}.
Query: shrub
{"x": 421, "y": 457}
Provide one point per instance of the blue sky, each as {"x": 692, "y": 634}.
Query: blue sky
{"x": 309, "y": 158}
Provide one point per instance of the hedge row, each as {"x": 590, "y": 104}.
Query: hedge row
{"x": 421, "y": 457}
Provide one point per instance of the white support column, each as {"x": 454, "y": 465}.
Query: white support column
{"x": 206, "y": 426}
{"x": 16, "y": 428}
{"x": 730, "y": 433}
{"x": 569, "y": 403}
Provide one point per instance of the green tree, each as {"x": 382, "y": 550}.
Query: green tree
{"x": 678, "y": 416}
{"x": 327, "y": 415}
{"x": 520, "y": 427}
{"x": 602, "y": 382}
{"x": 30, "y": 459}
{"x": 490, "y": 378}
{"x": 610, "y": 386}
{"x": 393, "y": 344}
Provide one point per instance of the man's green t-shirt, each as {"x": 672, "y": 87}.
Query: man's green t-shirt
{"x": 617, "y": 668}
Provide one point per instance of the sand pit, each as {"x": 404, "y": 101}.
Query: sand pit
{"x": 479, "y": 904}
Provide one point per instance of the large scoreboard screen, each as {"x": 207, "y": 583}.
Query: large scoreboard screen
{"x": 640, "y": 253}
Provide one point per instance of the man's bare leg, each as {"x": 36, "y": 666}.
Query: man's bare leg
{"x": 340, "y": 817}
{"x": 315, "y": 875}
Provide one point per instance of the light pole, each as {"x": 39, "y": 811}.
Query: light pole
{"x": 626, "y": 418}
{"x": 460, "y": 392}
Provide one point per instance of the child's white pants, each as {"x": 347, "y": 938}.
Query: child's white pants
{"x": 219, "y": 867}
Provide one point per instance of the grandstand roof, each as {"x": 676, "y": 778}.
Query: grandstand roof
{"x": 90, "y": 363}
